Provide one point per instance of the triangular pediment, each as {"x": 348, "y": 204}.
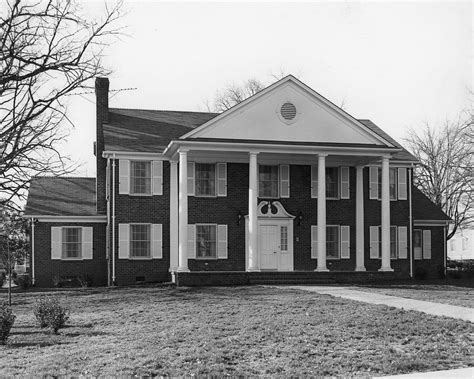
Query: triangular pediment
{"x": 289, "y": 111}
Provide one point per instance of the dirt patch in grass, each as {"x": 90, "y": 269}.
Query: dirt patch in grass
{"x": 461, "y": 295}
{"x": 234, "y": 331}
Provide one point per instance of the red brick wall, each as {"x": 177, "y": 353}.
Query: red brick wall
{"x": 435, "y": 266}
{"x": 46, "y": 268}
{"x": 149, "y": 209}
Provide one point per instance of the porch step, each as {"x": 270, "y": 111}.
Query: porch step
{"x": 289, "y": 278}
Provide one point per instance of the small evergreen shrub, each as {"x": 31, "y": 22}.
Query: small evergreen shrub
{"x": 85, "y": 281}
{"x": 23, "y": 281}
{"x": 7, "y": 318}
{"x": 50, "y": 313}
{"x": 56, "y": 316}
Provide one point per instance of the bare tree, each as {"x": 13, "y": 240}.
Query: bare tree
{"x": 446, "y": 170}
{"x": 234, "y": 94}
{"x": 49, "y": 50}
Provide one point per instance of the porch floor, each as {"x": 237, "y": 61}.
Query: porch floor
{"x": 233, "y": 278}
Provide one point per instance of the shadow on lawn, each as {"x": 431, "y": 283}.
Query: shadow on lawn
{"x": 20, "y": 344}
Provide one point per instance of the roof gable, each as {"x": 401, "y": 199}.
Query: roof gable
{"x": 316, "y": 119}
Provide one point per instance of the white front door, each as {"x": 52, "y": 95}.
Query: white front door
{"x": 269, "y": 240}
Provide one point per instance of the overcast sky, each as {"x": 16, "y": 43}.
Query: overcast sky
{"x": 399, "y": 64}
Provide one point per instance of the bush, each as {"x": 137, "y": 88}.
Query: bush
{"x": 49, "y": 312}
{"x": 23, "y": 281}
{"x": 85, "y": 281}
{"x": 7, "y": 318}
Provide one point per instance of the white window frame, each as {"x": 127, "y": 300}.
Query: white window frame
{"x": 196, "y": 241}
{"x": 63, "y": 252}
{"x": 338, "y": 180}
{"x": 131, "y": 191}
{"x": 196, "y": 179}
{"x": 130, "y": 241}
{"x": 421, "y": 244}
{"x": 392, "y": 227}
{"x": 278, "y": 181}
{"x": 395, "y": 183}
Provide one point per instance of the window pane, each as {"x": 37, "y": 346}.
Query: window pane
{"x": 393, "y": 183}
{"x": 417, "y": 238}
{"x": 72, "y": 243}
{"x": 393, "y": 242}
{"x": 140, "y": 177}
{"x": 268, "y": 181}
{"x": 205, "y": 179}
{"x": 206, "y": 241}
{"x": 140, "y": 240}
{"x": 284, "y": 238}
{"x": 332, "y": 183}
{"x": 332, "y": 242}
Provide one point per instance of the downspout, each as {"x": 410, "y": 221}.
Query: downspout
{"x": 107, "y": 239}
{"x": 445, "y": 250}
{"x": 32, "y": 251}
{"x": 113, "y": 220}
{"x": 410, "y": 217}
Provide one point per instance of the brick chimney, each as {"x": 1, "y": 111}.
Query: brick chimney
{"x": 102, "y": 117}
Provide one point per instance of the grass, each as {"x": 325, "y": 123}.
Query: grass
{"x": 454, "y": 292}
{"x": 235, "y": 331}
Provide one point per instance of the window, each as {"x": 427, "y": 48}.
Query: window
{"x": 284, "y": 238}
{"x": 393, "y": 242}
{"x": 205, "y": 179}
{"x": 72, "y": 242}
{"x": 206, "y": 241}
{"x": 139, "y": 240}
{"x": 332, "y": 242}
{"x": 417, "y": 243}
{"x": 140, "y": 177}
{"x": 392, "y": 184}
{"x": 268, "y": 181}
{"x": 332, "y": 182}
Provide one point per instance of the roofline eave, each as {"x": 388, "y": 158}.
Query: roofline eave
{"x": 175, "y": 145}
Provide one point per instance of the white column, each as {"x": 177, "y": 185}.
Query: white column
{"x": 183, "y": 212}
{"x": 322, "y": 213}
{"x": 385, "y": 216}
{"x": 253, "y": 220}
{"x": 174, "y": 227}
{"x": 360, "y": 265}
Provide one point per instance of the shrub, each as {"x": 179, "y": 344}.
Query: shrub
{"x": 49, "y": 312}
{"x": 23, "y": 281}
{"x": 56, "y": 316}
{"x": 85, "y": 281}
{"x": 7, "y": 318}
{"x": 40, "y": 309}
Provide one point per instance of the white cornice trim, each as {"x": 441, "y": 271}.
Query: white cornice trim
{"x": 431, "y": 222}
{"x": 69, "y": 219}
{"x": 175, "y": 145}
{"x": 300, "y": 84}
{"x": 133, "y": 155}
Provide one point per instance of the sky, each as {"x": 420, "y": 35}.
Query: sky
{"x": 400, "y": 64}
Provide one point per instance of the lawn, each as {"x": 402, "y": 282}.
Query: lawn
{"x": 458, "y": 292}
{"x": 235, "y": 331}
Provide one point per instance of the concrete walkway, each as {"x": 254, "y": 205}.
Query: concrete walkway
{"x": 459, "y": 373}
{"x": 428, "y": 307}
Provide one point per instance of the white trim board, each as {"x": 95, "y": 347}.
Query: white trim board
{"x": 69, "y": 219}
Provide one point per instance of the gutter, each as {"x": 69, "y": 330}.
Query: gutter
{"x": 32, "y": 251}
{"x": 113, "y": 220}
{"x": 410, "y": 218}
{"x": 107, "y": 238}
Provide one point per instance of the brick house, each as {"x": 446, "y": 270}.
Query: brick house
{"x": 284, "y": 186}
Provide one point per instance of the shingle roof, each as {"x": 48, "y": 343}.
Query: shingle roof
{"x": 152, "y": 130}
{"x": 61, "y": 196}
{"x": 148, "y": 130}
{"x": 425, "y": 209}
{"x": 403, "y": 155}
